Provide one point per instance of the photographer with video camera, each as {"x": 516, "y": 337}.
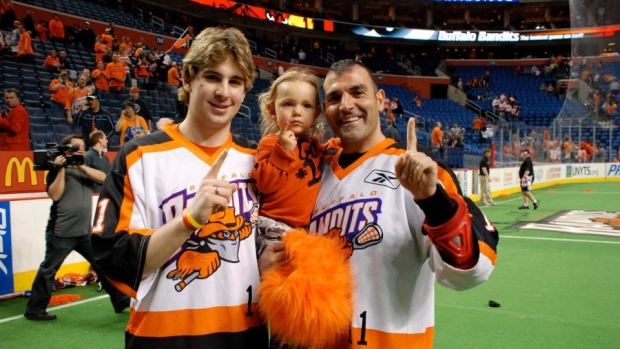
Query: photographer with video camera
{"x": 70, "y": 185}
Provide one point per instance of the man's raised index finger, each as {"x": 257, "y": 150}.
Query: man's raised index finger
{"x": 217, "y": 165}
{"x": 412, "y": 139}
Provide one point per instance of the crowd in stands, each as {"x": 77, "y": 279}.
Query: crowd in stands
{"x": 118, "y": 65}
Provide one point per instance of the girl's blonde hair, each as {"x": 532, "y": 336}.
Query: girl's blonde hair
{"x": 267, "y": 98}
{"x": 211, "y": 47}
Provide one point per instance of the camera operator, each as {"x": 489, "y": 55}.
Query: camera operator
{"x": 69, "y": 226}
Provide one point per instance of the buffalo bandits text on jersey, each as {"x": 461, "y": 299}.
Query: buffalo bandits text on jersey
{"x": 394, "y": 263}
{"x": 205, "y": 295}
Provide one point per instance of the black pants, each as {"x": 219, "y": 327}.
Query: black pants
{"x": 56, "y": 250}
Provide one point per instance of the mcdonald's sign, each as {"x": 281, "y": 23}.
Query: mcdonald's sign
{"x": 19, "y": 173}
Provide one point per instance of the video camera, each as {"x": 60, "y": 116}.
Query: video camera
{"x": 44, "y": 159}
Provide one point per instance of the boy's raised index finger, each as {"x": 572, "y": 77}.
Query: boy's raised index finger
{"x": 217, "y": 165}
{"x": 412, "y": 139}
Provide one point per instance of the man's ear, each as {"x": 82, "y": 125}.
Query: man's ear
{"x": 380, "y": 99}
{"x": 187, "y": 86}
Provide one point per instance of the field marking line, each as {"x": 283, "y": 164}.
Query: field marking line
{"x": 557, "y": 239}
{"x": 57, "y": 307}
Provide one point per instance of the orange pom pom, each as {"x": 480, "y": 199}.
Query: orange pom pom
{"x": 64, "y": 299}
{"x": 309, "y": 302}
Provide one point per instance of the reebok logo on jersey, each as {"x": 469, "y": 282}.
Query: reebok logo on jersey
{"x": 383, "y": 178}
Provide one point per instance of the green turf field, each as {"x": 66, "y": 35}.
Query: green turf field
{"x": 556, "y": 289}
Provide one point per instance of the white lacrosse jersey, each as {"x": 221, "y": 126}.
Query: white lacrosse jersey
{"x": 394, "y": 264}
{"x": 205, "y": 295}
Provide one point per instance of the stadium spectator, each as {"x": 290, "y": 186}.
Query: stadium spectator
{"x": 111, "y": 29}
{"x": 116, "y": 73}
{"x": 7, "y": 14}
{"x": 60, "y": 91}
{"x": 417, "y": 101}
{"x": 15, "y": 34}
{"x": 86, "y": 37}
{"x": 76, "y": 99}
{"x": 63, "y": 59}
{"x": 477, "y": 124}
{"x": 396, "y": 108}
{"x": 129, "y": 123}
{"x": 140, "y": 106}
{"x": 554, "y": 152}
{"x": 108, "y": 38}
{"x": 94, "y": 118}
{"x": 100, "y": 49}
{"x": 301, "y": 55}
{"x": 2, "y": 43}
{"x": 391, "y": 131}
{"x": 495, "y": 104}
{"x": 437, "y": 138}
{"x": 25, "y": 53}
{"x": 90, "y": 83}
{"x": 52, "y": 61}
{"x": 29, "y": 23}
{"x": 138, "y": 53}
{"x": 100, "y": 77}
{"x": 57, "y": 30}
{"x": 174, "y": 80}
{"x": 42, "y": 31}
{"x": 142, "y": 72}
{"x": 126, "y": 44}
{"x": 14, "y": 123}
{"x": 72, "y": 35}
{"x": 161, "y": 72}
{"x": 600, "y": 155}
{"x": 455, "y": 130}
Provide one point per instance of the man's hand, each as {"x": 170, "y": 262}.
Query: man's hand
{"x": 59, "y": 161}
{"x": 286, "y": 138}
{"x": 213, "y": 194}
{"x": 416, "y": 171}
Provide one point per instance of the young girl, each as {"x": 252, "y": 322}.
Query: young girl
{"x": 287, "y": 170}
{"x": 129, "y": 123}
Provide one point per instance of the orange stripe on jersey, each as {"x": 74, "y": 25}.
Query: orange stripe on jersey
{"x": 123, "y": 288}
{"x": 374, "y": 339}
{"x": 377, "y": 149}
{"x": 244, "y": 150}
{"x": 143, "y": 231}
{"x": 192, "y": 322}
{"x": 487, "y": 251}
{"x": 126, "y": 209}
{"x": 447, "y": 181}
{"x": 173, "y": 132}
